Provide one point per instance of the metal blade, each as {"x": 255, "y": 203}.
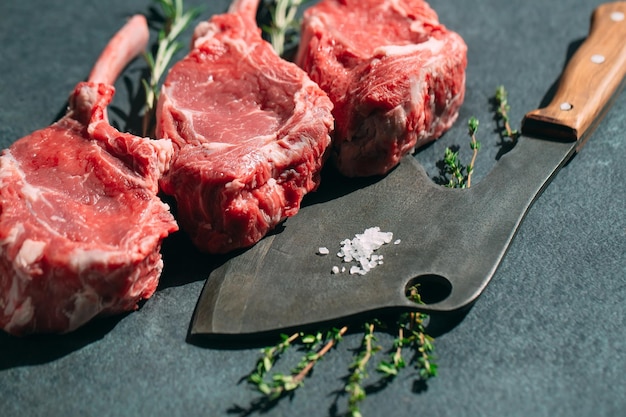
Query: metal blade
{"x": 282, "y": 283}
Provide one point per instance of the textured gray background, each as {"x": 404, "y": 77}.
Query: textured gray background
{"x": 546, "y": 338}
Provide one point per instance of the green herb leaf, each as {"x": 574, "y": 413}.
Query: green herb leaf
{"x": 502, "y": 113}
{"x": 175, "y": 21}
{"x": 283, "y": 29}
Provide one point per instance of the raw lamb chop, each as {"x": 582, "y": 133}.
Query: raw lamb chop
{"x": 395, "y": 75}
{"x": 80, "y": 222}
{"x": 250, "y": 132}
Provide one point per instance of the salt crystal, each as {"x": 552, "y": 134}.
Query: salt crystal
{"x": 323, "y": 251}
{"x": 364, "y": 262}
{"x": 361, "y": 250}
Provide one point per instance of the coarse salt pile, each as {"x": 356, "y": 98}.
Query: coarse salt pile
{"x": 360, "y": 251}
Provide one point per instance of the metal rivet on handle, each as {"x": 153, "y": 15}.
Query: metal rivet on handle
{"x": 565, "y": 106}
{"x": 617, "y": 16}
{"x": 597, "y": 59}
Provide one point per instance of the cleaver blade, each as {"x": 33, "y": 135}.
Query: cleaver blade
{"x": 281, "y": 283}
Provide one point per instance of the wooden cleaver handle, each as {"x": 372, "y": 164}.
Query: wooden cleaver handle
{"x": 590, "y": 81}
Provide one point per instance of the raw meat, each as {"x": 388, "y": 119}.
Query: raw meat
{"x": 250, "y": 132}
{"x": 80, "y": 222}
{"x": 395, "y": 75}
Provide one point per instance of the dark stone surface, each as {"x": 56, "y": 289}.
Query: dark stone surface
{"x": 546, "y": 338}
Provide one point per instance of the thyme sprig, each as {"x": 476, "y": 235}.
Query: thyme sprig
{"x": 472, "y": 125}
{"x": 176, "y": 20}
{"x": 354, "y": 388}
{"x": 502, "y": 113}
{"x": 423, "y": 343}
{"x": 267, "y": 360}
{"x": 411, "y": 334}
{"x": 306, "y": 364}
{"x": 281, "y": 384}
{"x": 461, "y": 175}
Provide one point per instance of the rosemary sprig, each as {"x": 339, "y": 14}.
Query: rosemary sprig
{"x": 283, "y": 23}
{"x": 176, "y": 20}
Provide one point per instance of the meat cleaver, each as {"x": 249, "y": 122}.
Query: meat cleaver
{"x": 283, "y": 283}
